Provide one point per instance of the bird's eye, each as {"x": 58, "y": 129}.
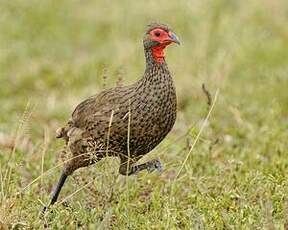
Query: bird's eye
{"x": 157, "y": 34}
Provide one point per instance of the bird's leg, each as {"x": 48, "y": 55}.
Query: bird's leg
{"x": 150, "y": 166}
{"x": 57, "y": 190}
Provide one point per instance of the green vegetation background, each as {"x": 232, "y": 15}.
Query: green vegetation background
{"x": 54, "y": 53}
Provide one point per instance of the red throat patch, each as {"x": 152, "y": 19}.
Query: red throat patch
{"x": 158, "y": 53}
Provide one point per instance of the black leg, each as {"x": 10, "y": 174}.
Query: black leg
{"x": 57, "y": 190}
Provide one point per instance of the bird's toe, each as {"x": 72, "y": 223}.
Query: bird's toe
{"x": 155, "y": 165}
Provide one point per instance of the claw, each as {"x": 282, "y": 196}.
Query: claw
{"x": 159, "y": 166}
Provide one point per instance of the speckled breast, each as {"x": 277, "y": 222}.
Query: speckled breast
{"x": 153, "y": 117}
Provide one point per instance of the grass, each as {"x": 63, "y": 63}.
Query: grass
{"x": 55, "y": 53}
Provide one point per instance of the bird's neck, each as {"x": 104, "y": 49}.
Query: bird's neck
{"x": 155, "y": 59}
{"x": 158, "y": 53}
{"x": 155, "y": 72}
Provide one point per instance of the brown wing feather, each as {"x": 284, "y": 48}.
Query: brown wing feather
{"x": 99, "y": 105}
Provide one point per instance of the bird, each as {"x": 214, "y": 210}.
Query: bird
{"x": 125, "y": 121}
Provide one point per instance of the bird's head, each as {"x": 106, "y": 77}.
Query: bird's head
{"x": 157, "y": 37}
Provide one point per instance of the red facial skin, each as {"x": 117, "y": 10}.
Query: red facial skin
{"x": 163, "y": 37}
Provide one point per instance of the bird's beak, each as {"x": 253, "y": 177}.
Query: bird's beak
{"x": 173, "y": 38}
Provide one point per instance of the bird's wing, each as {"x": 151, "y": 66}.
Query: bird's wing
{"x": 98, "y": 106}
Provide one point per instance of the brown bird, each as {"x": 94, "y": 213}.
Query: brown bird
{"x": 125, "y": 121}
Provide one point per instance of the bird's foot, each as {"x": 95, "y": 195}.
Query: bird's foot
{"x": 44, "y": 209}
{"x": 154, "y": 165}
{"x": 150, "y": 166}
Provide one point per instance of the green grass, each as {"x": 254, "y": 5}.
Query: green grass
{"x": 53, "y": 55}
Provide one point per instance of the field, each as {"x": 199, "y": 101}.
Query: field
{"x": 225, "y": 165}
